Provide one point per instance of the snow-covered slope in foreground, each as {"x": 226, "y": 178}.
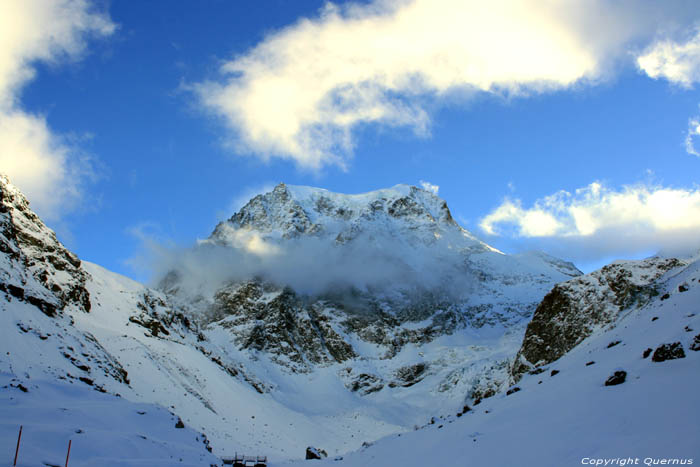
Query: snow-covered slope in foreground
{"x": 104, "y": 430}
{"x": 564, "y": 414}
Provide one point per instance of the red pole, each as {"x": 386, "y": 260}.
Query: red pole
{"x": 17, "y": 450}
{"x": 68, "y": 455}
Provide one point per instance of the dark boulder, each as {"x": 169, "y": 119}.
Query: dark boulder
{"x": 315, "y": 453}
{"x": 616, "y": 378}
{"x": 668, "y": 352}
{"x": 696, "y": 343}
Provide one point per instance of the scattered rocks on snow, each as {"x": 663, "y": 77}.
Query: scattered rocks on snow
{"x": 409, "y": 375}
{"x": 616, "y": 378}
{"x": 668, "y": 352}
{"x": 554, "y": 372}
{"x": 20, "y": 386}
{"x": 362, "y": 383}
{"x": 512, "y": 390}
{"x": 315, "y": 453}
{"x": 683, "y": 288}
{"x": 696, "y": 343}
{"x": 86, "y": 380}
{"x": 646, "y": 353}
{"x": 613, "y": 344}
{"x": 465, "y": 409}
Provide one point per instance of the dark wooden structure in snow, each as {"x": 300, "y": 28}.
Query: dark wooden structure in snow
{"x": 245, "y": 461}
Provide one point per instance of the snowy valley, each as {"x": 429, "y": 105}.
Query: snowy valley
{"x": 372, "y": 327}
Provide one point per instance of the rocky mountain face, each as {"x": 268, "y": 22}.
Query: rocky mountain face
{"x": 575, "y": 309}
{"x": 39, "y": 275}
{"x": 35, "y": 266}
{"x": 436, "y": 280}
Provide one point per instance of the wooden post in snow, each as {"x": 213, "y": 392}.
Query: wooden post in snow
{"x": 68, "y": 455}
{"x": 17, "y": 450}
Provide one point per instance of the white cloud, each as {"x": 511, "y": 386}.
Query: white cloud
{"x": 678, "y": 62}
{"x": 693, "y": 132}
{"x": 299, "y": 93}
{"x": 427, "y": 186}
{"x": 633, "y": 218}
{"x": 43, "y": 165}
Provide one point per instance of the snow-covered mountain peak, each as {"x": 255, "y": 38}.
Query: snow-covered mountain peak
{"x": 411, "y": 213}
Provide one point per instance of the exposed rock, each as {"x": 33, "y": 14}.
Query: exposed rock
{"x": 54, "y": 278}
{"x": 512, "y": 390}
{"x": 668, "y": 352}
{"x": 362, "y": 383}
{"x": 315, "y": 453}
{"x": 646, "y": 353}
{"x": 696, "y": 343}
{"x": 294, "y": 332}
{"x": 616, "y": 378}
{"x": 409, "y": 375}
{"x": 574, "y": 309}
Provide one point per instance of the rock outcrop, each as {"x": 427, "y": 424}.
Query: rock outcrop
{"x": 575, "y": 308}
{"x": 36, "y": 267}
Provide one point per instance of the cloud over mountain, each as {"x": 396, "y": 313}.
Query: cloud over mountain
{"x": 301, "y": 92}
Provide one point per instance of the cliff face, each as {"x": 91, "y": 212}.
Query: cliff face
{"x": 37, "y": 267}
{"x": 574, "y": 309}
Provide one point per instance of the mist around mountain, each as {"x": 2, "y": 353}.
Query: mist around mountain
{"x": 371, "y": 327}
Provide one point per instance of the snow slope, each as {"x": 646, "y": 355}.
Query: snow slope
{"x": 104, "y": 430}
{"x": 564, "y": 414}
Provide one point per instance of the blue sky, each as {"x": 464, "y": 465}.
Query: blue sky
{"x": 569, "y": 129}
